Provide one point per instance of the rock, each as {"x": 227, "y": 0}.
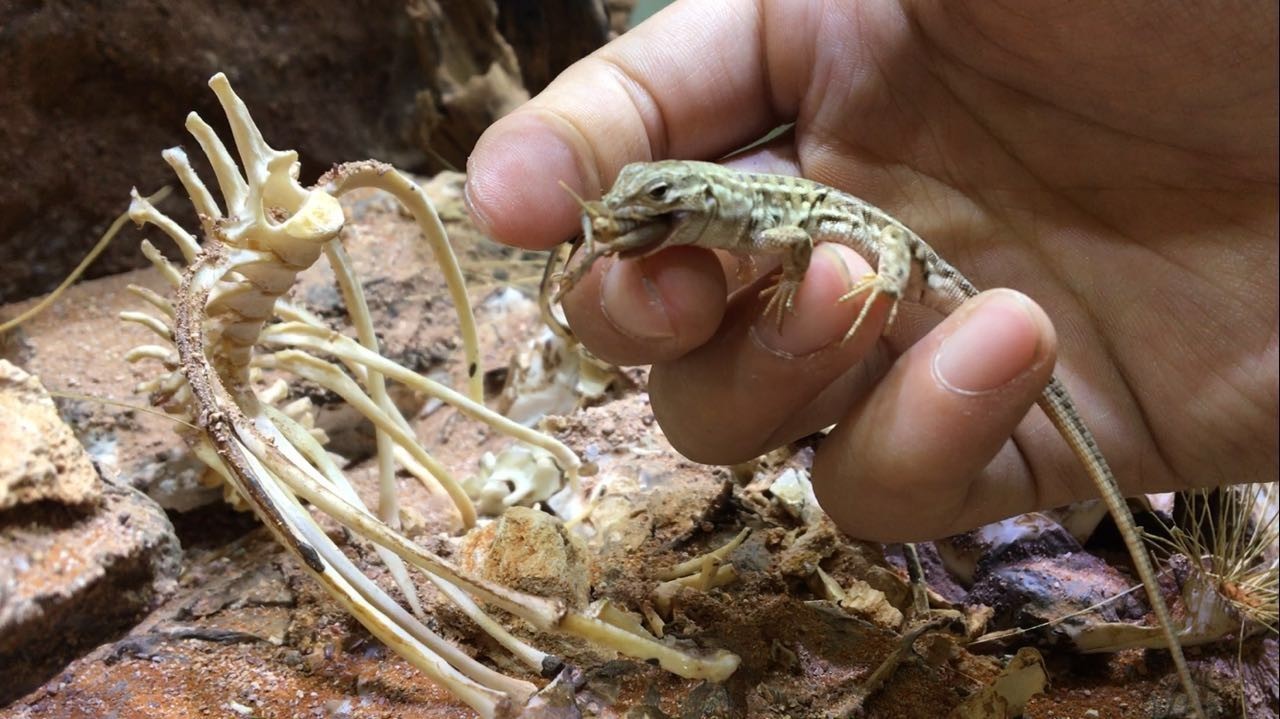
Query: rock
{"x": 70, "y": 580}
{"x": 248, "y": 633}
{"x": 866, "y": 601}
{"x": 246, "y": 630}
{"x": 78, "y": 345}
{"x": 1029, "y": 569}
{"x": 92, "y": 93}
{"x": 976, "y": 553}
{"x": 530, "y": 551}
{"x": 1030, "y": 591}
{"x": 40, "y": 459}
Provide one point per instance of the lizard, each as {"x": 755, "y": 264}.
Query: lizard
{"x": 667, "y": 203}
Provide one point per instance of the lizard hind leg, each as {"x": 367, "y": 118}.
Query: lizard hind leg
{"x": 890, "y": 278}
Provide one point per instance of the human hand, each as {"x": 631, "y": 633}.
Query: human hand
{"x": 1116, "y": 162}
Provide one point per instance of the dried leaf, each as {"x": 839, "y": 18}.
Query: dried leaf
{"x": 1005, "y": 698}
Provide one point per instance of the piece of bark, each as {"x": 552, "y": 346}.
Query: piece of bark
{"x": 92, "y": 92}
{"x": 548, "y": 37}
{"x": 472, "y": 76}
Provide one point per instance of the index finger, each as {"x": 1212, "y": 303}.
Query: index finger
{"x": 689, "y": 82}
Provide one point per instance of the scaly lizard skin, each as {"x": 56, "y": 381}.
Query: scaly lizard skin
{"x": 657, "y": 205}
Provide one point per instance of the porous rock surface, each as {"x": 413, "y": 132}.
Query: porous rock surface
{"x": 80, "y": 559}
{"x": 40, "y": 459}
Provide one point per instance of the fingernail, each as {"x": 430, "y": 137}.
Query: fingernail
{"x": 801, "y": 334}
{"x": 630, "y": 300}
{"x": 995, "y": 344}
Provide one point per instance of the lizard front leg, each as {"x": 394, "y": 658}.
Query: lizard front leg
{"x": 796, "y": 247}
{"x": 893, "y": 273}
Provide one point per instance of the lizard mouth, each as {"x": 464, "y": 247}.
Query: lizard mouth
{"x": 631, "y": 238}
{"x": 641, "y": 239}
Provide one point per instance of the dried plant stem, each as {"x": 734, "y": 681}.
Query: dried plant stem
{"x": 70, "y": 279}
{"x": 1232, "y": 537}
{"x": 117, "y": 403}
{"x": 856, "y": 705}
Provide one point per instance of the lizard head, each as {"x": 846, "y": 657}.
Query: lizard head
{"x": 636, "y": 216}
{"x": 652, "y": 190}
{"x": 645, "y": 203}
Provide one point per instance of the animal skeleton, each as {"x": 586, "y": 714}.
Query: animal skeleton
{"x": 228, "y": 318}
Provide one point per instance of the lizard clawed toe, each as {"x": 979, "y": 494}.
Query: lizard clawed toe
{"x": 781, "y": 298}
{"x": 874, "y": 285}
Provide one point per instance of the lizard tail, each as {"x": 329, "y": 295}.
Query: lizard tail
{"x": 1057, "y": 404}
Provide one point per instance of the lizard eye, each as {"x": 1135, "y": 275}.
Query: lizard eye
{"x": 658, "y": 192}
